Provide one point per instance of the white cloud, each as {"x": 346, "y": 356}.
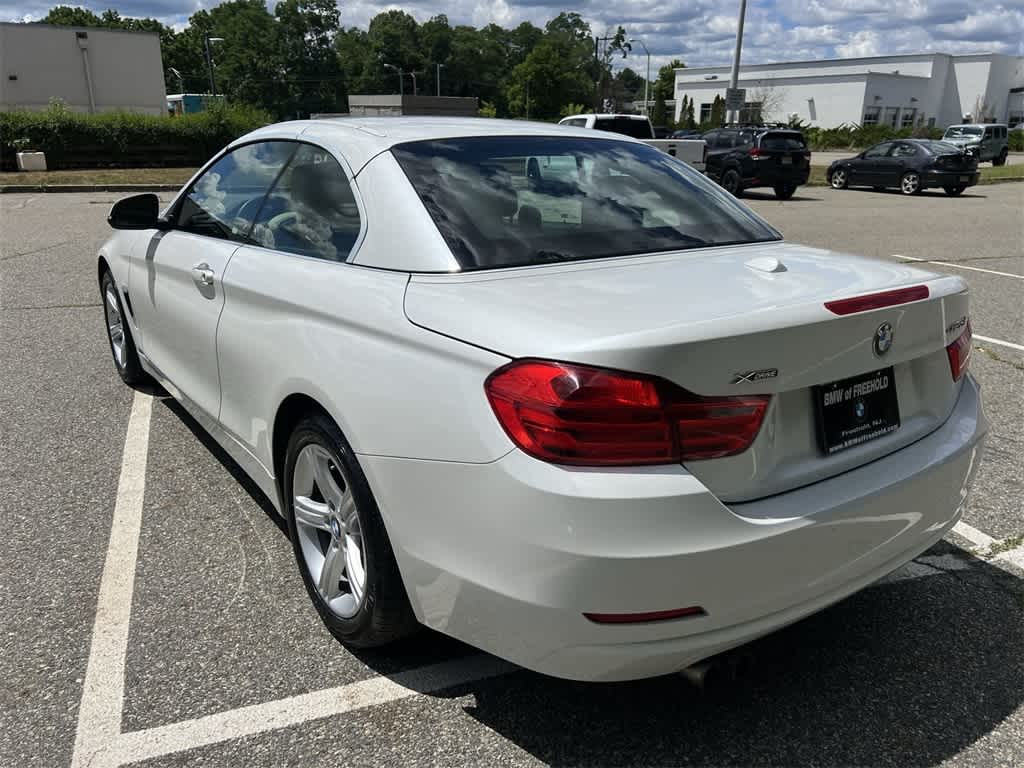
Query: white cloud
{"x": 863, "y": 43}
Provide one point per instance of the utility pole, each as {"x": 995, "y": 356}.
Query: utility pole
{"x": 734, "y": 78}
{"x": 413, "y": 76}
{"x": 209, "y": 61}
{"x": 401, "y": 82}
{"x": 647, "y": 81}
{"x": 439, "y": 67}
{"x": 600, "y": 43}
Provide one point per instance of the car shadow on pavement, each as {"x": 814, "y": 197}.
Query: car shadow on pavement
{"x": 910, "y": 671}
{"x": 907, "y": 672}
{"x": 800, "y": 197}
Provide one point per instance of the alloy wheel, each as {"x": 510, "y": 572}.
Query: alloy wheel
{"x": 329, "y": 529}
{"x": 910, "y": 183}
{"x": 838, "y": 179}
{"x": 115, "y": 325}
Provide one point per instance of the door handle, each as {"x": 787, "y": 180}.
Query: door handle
{"x": 202, "y": 274}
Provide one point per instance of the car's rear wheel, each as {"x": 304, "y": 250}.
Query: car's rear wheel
{"x": 732, "y": 182}
{"x": 784, "y": 191}
{"x": 339, "y": 540}
{"x": 954, "y": 191}
{"x": 119, "y": 335}
{"x": 839, "y": 179}
{"x": 1000, "y": 159}
{"x": 910, "y": 184}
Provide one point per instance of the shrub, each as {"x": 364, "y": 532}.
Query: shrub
{"x": 124, "y": 139}
{"x": 1016, "y": 141}
{"x": 851, "y": 136}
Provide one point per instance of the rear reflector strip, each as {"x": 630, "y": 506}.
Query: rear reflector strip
{"x": 643, "y": 618}
{"x": 877, "y": 300}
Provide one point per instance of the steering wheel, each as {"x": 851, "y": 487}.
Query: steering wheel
{"x": 282, "y": 218}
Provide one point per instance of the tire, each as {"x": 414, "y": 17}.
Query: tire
{"x": 839, "y": 179}
{"x": 1000, "y": 159}
{"x": 365, "y": 605}
{"x": 954, "y": 191}
{"x": 785, "y": 191}
{"x": 910, "y": 183}
{"x": 119, "y": 336}
{"x": 732, "y": 182}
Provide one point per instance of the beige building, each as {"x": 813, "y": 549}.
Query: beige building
{"x": 90, "y": 69}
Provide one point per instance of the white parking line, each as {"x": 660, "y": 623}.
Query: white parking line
{"x": 999, "y": 342}
{"x": 258, "y": 718}
{"x": 959, "y": 266}
{"x": 99, "y": 714}
{"x": 973, "y": 535}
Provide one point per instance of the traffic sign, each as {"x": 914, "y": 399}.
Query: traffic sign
{"x": 735, "y": 98}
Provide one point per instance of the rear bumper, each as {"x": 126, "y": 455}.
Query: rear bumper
{"x": 766, "y": 175}
{"x": 937, "y": 178}
{"x": 508, "y": 556}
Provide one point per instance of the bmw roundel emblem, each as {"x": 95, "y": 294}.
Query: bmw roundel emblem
{"x": 859, "y": 409}
{"x": 883, "y": 338}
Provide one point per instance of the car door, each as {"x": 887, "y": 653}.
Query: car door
{"x": 901, "y": 158}
{"x": 175, "y": 282}
{"x": 713, "y": 167}
{"x": 866, "y": 168}
{"x": 279, "y": 286}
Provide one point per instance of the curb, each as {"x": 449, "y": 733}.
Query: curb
{"x": 10, "y": 188}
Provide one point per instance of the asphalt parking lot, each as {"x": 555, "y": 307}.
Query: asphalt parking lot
{"x": 188, "y": 639}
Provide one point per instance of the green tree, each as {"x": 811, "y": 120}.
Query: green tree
{"x": 394, "y": 39}
{"x": 305, "y": 32}
{"x": 659, "y": 115}
{"x": 436, "y": 42}
{"x": 717, "y": 111}
{"x": 557, "y": 71}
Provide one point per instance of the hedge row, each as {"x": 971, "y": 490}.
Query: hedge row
{"x": 123, "y": 139}
{"x": 855, "y": 136}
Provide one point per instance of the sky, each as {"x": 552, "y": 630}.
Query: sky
{"x": 700, "y": 32}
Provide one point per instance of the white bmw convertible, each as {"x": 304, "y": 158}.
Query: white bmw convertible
{"x": 548, "y": 391}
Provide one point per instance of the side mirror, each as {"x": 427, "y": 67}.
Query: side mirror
{"x": 135, "y": 212}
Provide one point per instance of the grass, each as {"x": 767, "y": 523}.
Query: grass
{"x": 178, "y": 176}
{"x": 989, "y": 174}
{"x": 1005, "y": 545}
{"x": 100, "y": 176}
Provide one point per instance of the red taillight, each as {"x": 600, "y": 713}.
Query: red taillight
{"x": 877, "y": 300}
{"x": 756, "y": 152}
{"x": 584, "y": 416}
{"x": 640, "y": 618}
{"x": 960, "y": 353}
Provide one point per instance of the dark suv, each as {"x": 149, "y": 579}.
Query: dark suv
{"x": 743, "y": 157}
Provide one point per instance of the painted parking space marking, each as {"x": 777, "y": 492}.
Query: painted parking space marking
{"x": 999, "y": 342}
{"x": 958, "y": 266}
{"x": 99, "y": 740}
{"x": 258, "y": 718}
{"x": 99, "y": 713}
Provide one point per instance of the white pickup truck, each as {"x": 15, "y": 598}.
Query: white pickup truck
{"x": 693, "y": 152}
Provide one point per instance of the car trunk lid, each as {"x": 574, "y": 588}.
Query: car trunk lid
{"x": 724, "y": 321}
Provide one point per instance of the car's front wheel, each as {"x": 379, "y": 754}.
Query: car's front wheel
{"x": 119, "y": 335}
{"x": 732, "y": 182}
{"x": 910, "y": 184}
{"x": 954, "y": 191}
{"x": 839, "y": 179}
{"x": 1000, "y": 159}
{"x": 338, "y": 537}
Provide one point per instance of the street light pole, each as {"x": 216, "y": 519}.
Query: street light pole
{"x": 735, "y": 76}
{"x": 209, "y": 61}
{"x": 439, "y": 67}
{"x": 401, "y": 82}
{"x": 647, "y": 80}
{"x": 413, "y": 76}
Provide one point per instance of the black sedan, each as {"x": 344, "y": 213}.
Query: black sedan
{"x": 909, "y": 164}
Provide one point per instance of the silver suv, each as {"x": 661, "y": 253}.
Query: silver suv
{"x": 986, "y": 141}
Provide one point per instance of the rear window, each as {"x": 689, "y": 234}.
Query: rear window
{"x": 783, "y": 141}
{"x": 522, "y": 200}
{"x": 638, "y": 129}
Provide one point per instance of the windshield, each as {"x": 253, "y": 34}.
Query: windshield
{"x": 521, "y": 200}
{"x": 638, "y": 129}
{"x": 960, "y": 131}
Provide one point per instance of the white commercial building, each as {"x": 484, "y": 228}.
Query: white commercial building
{"x": 90, "y": 69}
{"x": 933, "y": 89}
